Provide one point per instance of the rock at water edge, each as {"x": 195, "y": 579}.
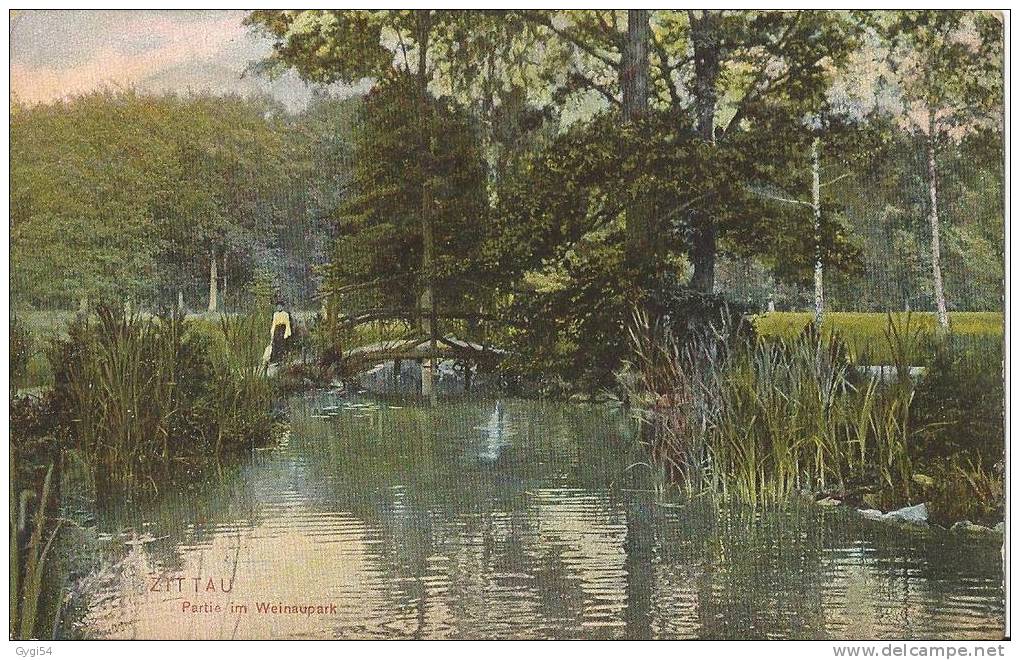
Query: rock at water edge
{"x": 911, "y": 514}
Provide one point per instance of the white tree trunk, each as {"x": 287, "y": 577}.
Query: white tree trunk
{"x": 816, "y": 206}
{"x": 936, "y": 250}
{"x": 213, "y": 303}
{"x": 180, "y": 300}
{"x": 223, "y": 291}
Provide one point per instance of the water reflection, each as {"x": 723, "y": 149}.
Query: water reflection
{"x": 514, "y": 519}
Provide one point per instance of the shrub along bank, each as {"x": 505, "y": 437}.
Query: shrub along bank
{"x": 136, "y": 395}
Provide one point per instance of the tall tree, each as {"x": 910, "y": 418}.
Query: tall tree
{"x": 742, "y": 62}
{"x": 949, "y": 70}
{"x": 350, "y": 46}
{"x": 705, "y": 28}
{"x": 608, "y": 53}
{"x": 220, "y": 195}
{"x": 634, "y": 77}
{"x": 80, "y": 226}
{"x": 380, "y": 238}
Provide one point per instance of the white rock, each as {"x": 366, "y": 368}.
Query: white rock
{"x": 911, "y": 514}
{"x": 871, "y": 514}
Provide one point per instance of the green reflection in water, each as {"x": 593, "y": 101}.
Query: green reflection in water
{"x": 514, "y": 519}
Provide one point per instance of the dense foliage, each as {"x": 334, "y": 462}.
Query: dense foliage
{"x": 379, "y": 226}
{"x": 125, "y": 196}
{"x": 569, "y": 170}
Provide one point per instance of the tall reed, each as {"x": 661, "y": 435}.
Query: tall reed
{"x": 757, "y": 419}
{"x": 136, "y": 393}
{"x": 31, "y": 537}
{"x": 243, "y": 395}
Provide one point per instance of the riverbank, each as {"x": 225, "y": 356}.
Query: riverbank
{"x": 759, "y": 419}
{"x": 549, "y": 479}
{"x": 757, "y": 422}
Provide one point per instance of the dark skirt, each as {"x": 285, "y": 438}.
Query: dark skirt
{"x": 280, "y": 343}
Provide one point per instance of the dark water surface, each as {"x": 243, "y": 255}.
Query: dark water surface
{"x": 512, "y": 519}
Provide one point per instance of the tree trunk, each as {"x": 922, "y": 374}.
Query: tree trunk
{"x": 933, "y": 218}
{"x": 816, "y": 206}
{"x": 703, "y": 252}
{"x": 180, "y": 301}
{"x": 223, "y": 293}
{"x": 634, "y": 85}
{"x": 634, "y": 65}
{"x": 213, "y": 304}
{"x": 83, "y": 305}
{"x": 704, "y": 37}
{"x": 428, "y": 300}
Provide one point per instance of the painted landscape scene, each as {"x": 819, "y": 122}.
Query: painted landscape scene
{"x": 519, "y": 324}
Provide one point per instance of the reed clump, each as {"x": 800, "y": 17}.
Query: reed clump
{"x": 33, "y": 530}
{"x": 758, "y": 419}
{"x": 138, "y": 395}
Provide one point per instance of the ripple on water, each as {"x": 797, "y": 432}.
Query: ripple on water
{"x": 517, "y": 520}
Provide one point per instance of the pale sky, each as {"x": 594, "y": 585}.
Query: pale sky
{"x": 56, "y": 54}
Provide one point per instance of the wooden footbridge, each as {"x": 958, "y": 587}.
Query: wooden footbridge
{"x": 422, "y": 343}
{"x": 417, "y": 349}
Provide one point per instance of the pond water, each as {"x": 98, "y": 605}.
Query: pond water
{"x": 510, "y": 519}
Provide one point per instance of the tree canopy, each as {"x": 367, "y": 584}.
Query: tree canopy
{"x": 550, "y": 171}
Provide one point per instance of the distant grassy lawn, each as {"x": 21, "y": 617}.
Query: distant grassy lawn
{"x": 865, "y": 332}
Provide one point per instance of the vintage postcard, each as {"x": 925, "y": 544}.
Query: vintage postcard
{"x": 597, "y": 324}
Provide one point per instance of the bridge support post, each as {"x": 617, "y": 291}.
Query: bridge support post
{"x": 428, "y": 365}
{"x": 428, "y": 389}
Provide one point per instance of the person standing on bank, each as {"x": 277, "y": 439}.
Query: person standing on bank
{"x": 280, "y": 332}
